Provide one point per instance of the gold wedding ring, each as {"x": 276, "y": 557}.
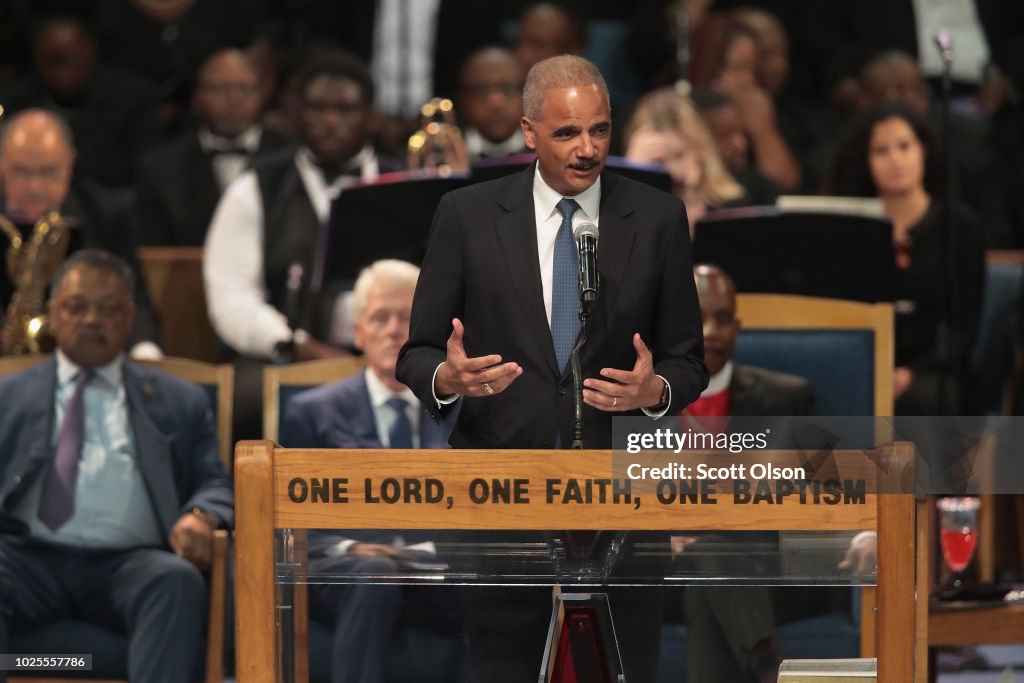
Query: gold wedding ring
{"x": 488, "y": 389}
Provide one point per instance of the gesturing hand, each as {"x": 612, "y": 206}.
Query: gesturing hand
{"x": 629, "y": 390}
{"x": 479, "y": 376}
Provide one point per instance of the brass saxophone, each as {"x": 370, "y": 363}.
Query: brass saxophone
{"x": 438, "y": 144}
{"x": 31, "y": 264}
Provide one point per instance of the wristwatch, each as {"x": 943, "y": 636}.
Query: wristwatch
{"x": 662, "y": 403}
{"x": 202, "y": 514}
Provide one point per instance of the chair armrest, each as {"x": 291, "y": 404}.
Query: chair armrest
{"x": 215, "y": 628}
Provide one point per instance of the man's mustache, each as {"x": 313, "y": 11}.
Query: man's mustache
{"x": 585, "y": 164}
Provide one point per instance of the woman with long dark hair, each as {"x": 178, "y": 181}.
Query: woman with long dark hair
{"x": 890, "y": 152}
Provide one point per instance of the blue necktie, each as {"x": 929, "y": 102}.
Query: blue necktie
{"x": 400, "y": 432}
{"x": 565, "y": 298}
{"x": 57, "y": 502}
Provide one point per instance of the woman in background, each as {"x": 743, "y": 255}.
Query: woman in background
{"x": 890, "y": 152}
{"x": 666, "y": 129}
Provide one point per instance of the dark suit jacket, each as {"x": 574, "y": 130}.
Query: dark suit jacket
{"x": 171, "y": 422}
{"x": 339, "y": 415}
{"x": 481, "y": 266}
{"x": 178, "y": 191}
{"x": 756, "y": 392}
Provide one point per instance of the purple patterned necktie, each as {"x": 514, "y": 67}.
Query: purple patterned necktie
{"x": 58, "y": 498}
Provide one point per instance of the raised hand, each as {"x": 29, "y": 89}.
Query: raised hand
{"x": 627, "y": 390}
{"x": 479, "y": 376}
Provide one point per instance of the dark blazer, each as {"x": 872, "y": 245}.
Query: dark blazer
{"x": 757, "y": 392}
{"x": 481, "y": 266}
{"x": 178, "y": 191}
{"x": 339, "y": 415}
{"x": 173, "y": 429}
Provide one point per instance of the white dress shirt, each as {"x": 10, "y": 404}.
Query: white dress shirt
{"x": 236, "y": 292}
{"x": 477, "y": 145}
{"x": 231, "y": 155}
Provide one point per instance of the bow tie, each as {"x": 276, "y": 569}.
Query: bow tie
{"x": 334, "y": 171}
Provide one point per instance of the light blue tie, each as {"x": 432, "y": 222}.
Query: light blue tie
{"x": 400, "y": 432}
{"x": 565, "y": 298}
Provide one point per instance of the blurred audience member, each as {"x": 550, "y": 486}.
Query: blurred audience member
{"x": 666, "y": 129}
{"x": 372, "y": 409}
{"x": 731, "y": 628}
{"x": 414, "y": 49}
{"x": 167, "y": 40}
{"x": 726, "y": 58}
{"x": 262, "y": 242}
{"x": 802, "y": 120}
{"x": 548, "y": 30}
{"x": 111, "y": 112}
{"x": 491, "y": 103}
{"x": 37, "y": 155}
{"x": 115, "y": 484}
{"x": 181, "y": 181}
{"x": 895, "y": 77}
{"x": 890, "y": 152}
{"x": 722, "y": 118}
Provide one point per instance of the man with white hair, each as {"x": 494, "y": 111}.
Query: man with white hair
{"x": 369, "y": 410}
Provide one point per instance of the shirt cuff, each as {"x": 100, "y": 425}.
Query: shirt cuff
{"x": 441, "y": 401}
{"x": 660, "y": 413}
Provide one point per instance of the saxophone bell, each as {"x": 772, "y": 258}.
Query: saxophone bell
{"x": 32, "y": 262}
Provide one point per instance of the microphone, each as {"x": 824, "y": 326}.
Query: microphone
{"x": 944, "y": 41}
{"x": 586, "y": 240}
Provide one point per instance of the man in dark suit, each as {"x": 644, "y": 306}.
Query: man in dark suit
{"x": 738, "y": 390}
{"x": 496, "y": 312}
{"x": 37, "y": 161}
{"x": 181, "y": 181}
{"x": 730, "y": 628}
{"x": 370, "y": 410}
{"x": 111, "y": 484}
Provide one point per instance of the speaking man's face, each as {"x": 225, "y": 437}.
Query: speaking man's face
{"x": 571, "y": 137}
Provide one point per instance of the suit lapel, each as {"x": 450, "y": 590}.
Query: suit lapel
{"x": 363, "y": 421}
{"x": 517, "y": 236}
{"x": 152, "y": 447}
{"x": 615, "y": 246}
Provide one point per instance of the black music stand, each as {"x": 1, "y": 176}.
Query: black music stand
{"x": 389, "y": 218}
{"x": 765, "y": 250}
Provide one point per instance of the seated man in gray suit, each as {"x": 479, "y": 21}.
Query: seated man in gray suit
{"x": 369, "y": 410}
{"x": 110, "y": 484}
{"x": 730, "y": 628}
